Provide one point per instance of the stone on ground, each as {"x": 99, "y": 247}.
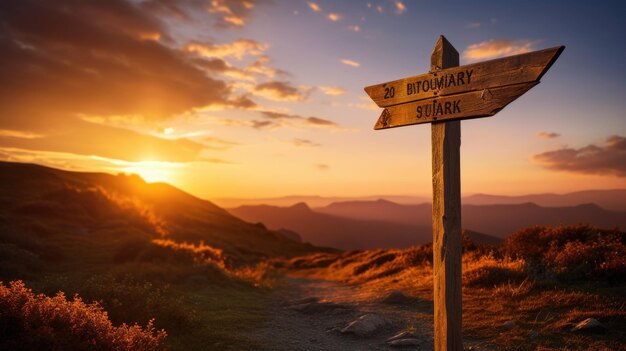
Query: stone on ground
{"x": 366, "y": 325}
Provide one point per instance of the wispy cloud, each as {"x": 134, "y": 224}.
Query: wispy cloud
{"x": 313, "y": 6}
{"x": 322, "y": 167}
{"x": 350, "y": 63}
{"x": 275, "y": 120}
{"x": 334, "y": 91}
{"x": 303, "y": 142}
{"x": 497, "y": 48}
{"x": 399, "y": 6}
{"x": 215, "y": 143}
{"x": 334, "y": 17}
{"x": 367, "y": 104}
{"x": 548, "y": 135}
{"x": 238, "y": 49}
{"x": 280, "y": 91}
{"x": 608, "y": 159}
{"x": 473, "y": 25}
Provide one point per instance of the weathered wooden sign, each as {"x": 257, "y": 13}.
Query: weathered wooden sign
{"x": 477, "y": 90}
{"x": 442, "y": 97}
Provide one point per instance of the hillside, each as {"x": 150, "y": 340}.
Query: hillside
{"x": 334, "y": 231}
{"x": 48, "y": 205}
{"x": 143, "y": 251}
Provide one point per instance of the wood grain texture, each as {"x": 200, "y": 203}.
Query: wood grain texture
{"x": 446, "y": 161}
{"x": 517, "y": 69}
{"x": 484, "y": 103}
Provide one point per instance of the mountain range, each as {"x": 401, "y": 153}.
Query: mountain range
{"x": 611, "y": 199}
{"x": 382, "y": 223}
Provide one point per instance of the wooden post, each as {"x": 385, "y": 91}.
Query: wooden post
{"x": 447, "y": 243}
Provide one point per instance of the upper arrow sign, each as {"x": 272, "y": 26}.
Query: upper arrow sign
{"x": 524, "y": 68}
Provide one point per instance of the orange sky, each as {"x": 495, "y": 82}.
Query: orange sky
{"x": 257, "y": 99}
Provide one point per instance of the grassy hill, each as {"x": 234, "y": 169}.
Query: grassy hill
{"x": 142, "y": 250}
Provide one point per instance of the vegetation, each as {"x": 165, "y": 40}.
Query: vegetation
{"x": 544, "y": 278}
{"x": 37, "y": 322}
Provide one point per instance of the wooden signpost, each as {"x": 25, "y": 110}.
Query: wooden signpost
{"x": 442, "y": 97}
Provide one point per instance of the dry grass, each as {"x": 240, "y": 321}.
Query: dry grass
{"x": 545, "y": 279}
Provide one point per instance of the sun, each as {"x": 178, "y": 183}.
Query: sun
{"x": 153, "y": 171}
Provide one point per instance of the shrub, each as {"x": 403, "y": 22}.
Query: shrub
{"x": 36, "y": 322}
{"x": 129, "y": 300}
{"x": 572, "y": 252}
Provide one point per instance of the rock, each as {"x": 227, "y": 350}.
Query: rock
{"x": 509, "y": 325}
{"x": 397, "y": 297}
{"x": 403, "y": 335}
{"x": 589, "y": 325}
{"x": 366, "y": 325}
{"x": 406, "y": 342}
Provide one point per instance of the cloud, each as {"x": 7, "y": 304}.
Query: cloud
{"x": 238, "y": 49}
{"x": 354, "y": 28}
{"x": 280, "y": 91}
{"x": 95, "y": 67}
{"x": 75, "y": 72}
{"x": 322, "y": 166}
{"x": 105, "y": 141}
{"x": 350, "y": 63}
{"x": 609, "y": 159}
{"x": 303, "y": 143}
{"x": 281, "y": 118}
{"x": 497, "y": 48}
{"x": 260, "y": 67}
{"x": 548, "y": 135}
{"x": 334, "y": 91}
{"x": 334, "y": 17}
{"x": 215, "y": 143}
{"x": 399, "y": 6}
{"x": 313, "y": 6}
{"x": 473, "y": 25}
{"x": 275, "y": 120}
{"x": 367, "y": 104}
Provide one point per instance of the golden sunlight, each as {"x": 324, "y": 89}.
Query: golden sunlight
{"x": 153, "y": 171}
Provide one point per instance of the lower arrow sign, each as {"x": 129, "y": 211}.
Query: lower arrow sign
{"x": 483, "y": 103}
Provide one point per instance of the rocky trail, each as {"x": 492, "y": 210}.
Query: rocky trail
{"x": 312, "y": 314}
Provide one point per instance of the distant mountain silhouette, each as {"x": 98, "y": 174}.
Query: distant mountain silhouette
{"x": 614, "y": 199}
{"x": 496, "y": 220}
{"x": 334, "y": 231}
{"x": 42, "y": 207}
{"x": 608, "y": 199}
{"x": 314, "y": 201}
{"x": 502, "y": 220}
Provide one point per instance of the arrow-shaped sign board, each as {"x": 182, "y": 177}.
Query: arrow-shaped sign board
{"x": 477, "y": 90}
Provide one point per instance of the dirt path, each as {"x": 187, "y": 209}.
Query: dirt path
{"x": 310, "y": 315}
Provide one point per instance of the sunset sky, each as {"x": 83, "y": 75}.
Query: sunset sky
{"x": 246, "y": 98}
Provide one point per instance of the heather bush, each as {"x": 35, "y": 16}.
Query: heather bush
{"x": 571, "y": 252}
{"x": 39, "y": 322}
{"x": 129, "y": 300}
